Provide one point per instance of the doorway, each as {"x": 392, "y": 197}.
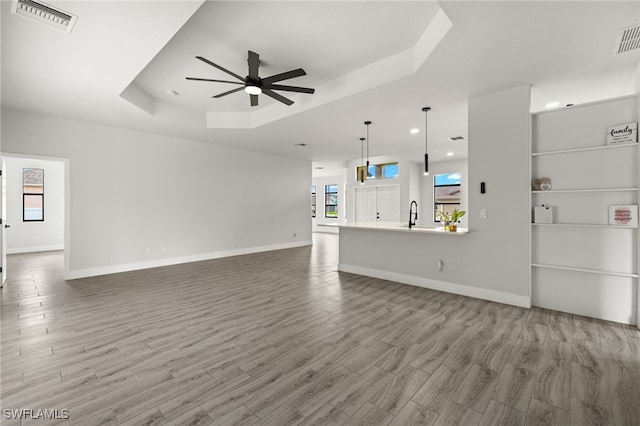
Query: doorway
{"x": 34, "y": 206}
{"x": 377, "y": 204}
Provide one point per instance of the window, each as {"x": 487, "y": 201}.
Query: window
{"x": 331, "y": 201}
{"x": 32, "y": 195}
{"x": 379, "y": 171}
{"x": 446, "y": 193}
{"x": 313, "y": 201}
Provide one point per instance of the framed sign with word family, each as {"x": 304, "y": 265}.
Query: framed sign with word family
{"x": 622, "y": 133}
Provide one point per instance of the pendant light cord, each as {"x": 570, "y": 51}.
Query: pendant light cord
{"x": 367, "y": 144}
{"x": 367, "y": 123}
{"x": 426, "y": 141}
{"x": 361, "y": 171}
{"x": 426, "y": 129}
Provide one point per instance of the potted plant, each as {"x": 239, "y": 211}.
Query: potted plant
{"x": 451, "y": 221}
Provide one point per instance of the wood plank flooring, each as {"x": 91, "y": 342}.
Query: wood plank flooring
{"x": 282, "y": 338}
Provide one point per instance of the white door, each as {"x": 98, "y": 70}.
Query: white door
{"x": 3, "y": 226}
{"x": 389, "y": 203}
{"x": 365, "y": 204}
{"x": 378, "y": 204}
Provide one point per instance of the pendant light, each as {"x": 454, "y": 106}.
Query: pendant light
{"x": 426, "y": 139}
{"x": 367, "y": 123}
{"x": 361, "y": 170}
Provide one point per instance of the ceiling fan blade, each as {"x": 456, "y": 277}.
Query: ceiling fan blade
{"x": 215, "y": 81}
{"x": 291, "y": 88}
{"x": 205, "y": 60}
{"x": 284, "y": 76}
{"x": 277, "y": 96}
{"x": 228, "y": 93}
{"x": 254, "y": 64}
{"x": 254, "y": 100}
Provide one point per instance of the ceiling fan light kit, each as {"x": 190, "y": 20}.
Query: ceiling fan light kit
{"x": 254, "y": 85}
{"x": 253, "y": 90}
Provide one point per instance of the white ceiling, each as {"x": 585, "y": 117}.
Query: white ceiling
{"x": 144, "y": 48}
{"x": 326, "y": 41}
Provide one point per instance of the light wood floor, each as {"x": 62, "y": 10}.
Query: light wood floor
{"x": 281, "y": 338}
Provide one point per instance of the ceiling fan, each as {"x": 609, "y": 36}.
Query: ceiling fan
{"x": 254, "y": 85}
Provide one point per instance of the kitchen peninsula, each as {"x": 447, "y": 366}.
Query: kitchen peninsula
{"x": 426, "y": 257}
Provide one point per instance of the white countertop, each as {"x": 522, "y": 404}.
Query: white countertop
{"x": 403, "y": 227}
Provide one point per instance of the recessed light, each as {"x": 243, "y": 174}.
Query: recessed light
{"x": 301, "y": 144}
{"x": 414, "y": 131}
{"x": 456, "y": 138}
{"x": 319, "y": 168}
{"x": 449, "y": 154}
{"x": 552, "y": 105}
{"x": 172, "y": 92}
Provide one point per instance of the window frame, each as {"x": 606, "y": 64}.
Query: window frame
{"x": 458, "y": 202}
{"x": 25, "y": 195}
{"x": 326, "y": 198}
{"x": 314, "y": 201}
{"x": 377, "y": 171}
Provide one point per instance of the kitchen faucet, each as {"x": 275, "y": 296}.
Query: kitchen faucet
{"x": 413, "y": 216}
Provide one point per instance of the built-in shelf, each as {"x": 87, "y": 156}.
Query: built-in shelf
{"x": 590, "y": 148}
{"x": 586, "y": 225}
{"x": 586, "y": 190}
{"x": 585, "y": 270}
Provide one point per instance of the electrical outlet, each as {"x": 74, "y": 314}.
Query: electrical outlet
{"x": 295, "y": 234}
{"x": 440, "y": 265}
{"x": 483, "y": 213}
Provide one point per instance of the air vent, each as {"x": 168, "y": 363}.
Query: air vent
{"x": 628, "y": 39}
{"x": 44, "y": 13}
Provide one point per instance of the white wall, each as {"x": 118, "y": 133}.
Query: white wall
{"x": 24, "y": 237}
{"x": 320, "y": 220}
{"x": 441, "y": 167}
{"x": 140, "y": 200}
{"x": 497, "y": 250}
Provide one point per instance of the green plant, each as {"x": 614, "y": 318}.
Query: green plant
{"x": 454, "y": 217}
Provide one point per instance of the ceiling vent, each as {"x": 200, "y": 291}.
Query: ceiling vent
{"x": 44, "y": 13}
{"x": 628, "y": 39}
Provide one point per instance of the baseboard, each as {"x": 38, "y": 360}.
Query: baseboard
{"x": 326, "y": 230}
{"x": 35, "y": 249}
{"x": 464, "y": 290}
{"x": 135, "y": 266}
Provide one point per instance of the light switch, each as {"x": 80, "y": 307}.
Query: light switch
{"x": 483, "y": 213}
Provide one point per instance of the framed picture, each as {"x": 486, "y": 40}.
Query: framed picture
{"x": 623, "y": 215}
{"x": 622, "y": 134}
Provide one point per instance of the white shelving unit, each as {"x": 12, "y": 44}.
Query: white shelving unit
{"x": 551, "y": 191}
{"x": 580, "y": 263}
{"x": 585, "y": 225}
{"x": 569, "y": 151}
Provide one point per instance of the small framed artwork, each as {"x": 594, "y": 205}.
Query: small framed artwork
{"x": 622, "y": 134}
{"x": 623, "y": 215}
